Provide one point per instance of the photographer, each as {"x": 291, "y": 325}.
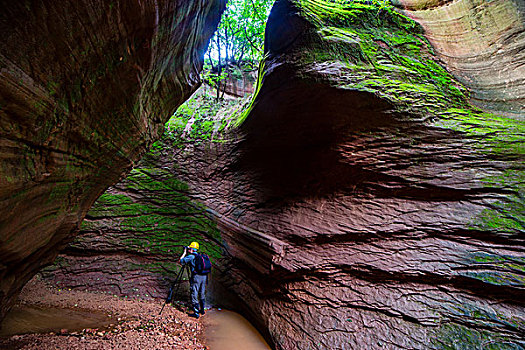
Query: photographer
{"x": 198, "y": 277}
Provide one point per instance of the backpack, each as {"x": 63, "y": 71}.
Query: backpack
{"x": 202, "y": 264}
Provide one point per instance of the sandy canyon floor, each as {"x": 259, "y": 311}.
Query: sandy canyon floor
{"x": 129, "y": 324}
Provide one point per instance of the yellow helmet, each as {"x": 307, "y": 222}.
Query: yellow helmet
{"x": 194, "y": 245}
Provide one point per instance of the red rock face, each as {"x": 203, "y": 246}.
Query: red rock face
{"x": 354, "y": 245}
{"x": 357, "y": 225}
{"x": 85, "y": 89}
{"x": 482, "y": 43}
{"x": 240, "y": 87}
{"x": 363, "y": 203}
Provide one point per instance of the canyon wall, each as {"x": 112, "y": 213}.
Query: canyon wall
{"x": 362, "y": 200}
{"x": 482, "y": 44}
{"x": 85, "y": 89}
{"x": 130, "y": 240}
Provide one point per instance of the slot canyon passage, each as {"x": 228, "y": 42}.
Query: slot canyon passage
{"x": 369, "y": 195}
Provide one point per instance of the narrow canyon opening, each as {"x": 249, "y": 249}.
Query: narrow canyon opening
{"x": 353, "y": 169}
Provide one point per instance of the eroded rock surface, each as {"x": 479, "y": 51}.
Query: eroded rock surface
{"x": 482, "y": 43}
{"x": 362, "y": 202}
{"x": 131, "y": 239}
{"x": 85, "y": 88}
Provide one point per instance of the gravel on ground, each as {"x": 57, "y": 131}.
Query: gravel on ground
{"x": 137, "y": 324}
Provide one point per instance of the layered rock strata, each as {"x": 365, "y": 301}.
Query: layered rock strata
{"x": 85, "y": 89}
{"x": 483, "y": 45}
{"x": 362, "y": 202}
{"x": 132, "y": 237}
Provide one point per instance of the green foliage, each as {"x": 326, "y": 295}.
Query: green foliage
{"x": 240, "y": 35}
{"x": 237, "y": 45}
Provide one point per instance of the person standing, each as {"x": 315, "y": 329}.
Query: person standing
{"x": 198, "y": 277}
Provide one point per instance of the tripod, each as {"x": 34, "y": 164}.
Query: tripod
{"x": 176, "y": 282}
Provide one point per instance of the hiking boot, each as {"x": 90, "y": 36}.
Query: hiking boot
{"x": 194, "y": 315}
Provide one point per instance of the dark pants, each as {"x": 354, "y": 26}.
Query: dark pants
{"x": 198, "y": 288}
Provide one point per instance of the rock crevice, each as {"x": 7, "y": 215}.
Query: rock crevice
{"x": 361, "y": 199}
{"x": 85, "y": 89}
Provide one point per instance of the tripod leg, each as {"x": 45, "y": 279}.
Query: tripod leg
{"x": 170, "y": 295}
{"x": 180, "y": 279}
{"x": 177, "y": 280}
{"x": 193, "y": 293}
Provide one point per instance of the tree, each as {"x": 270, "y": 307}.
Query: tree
{"x": 238, "y": 40}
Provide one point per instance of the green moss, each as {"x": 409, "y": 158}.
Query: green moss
{"x": 156, "y": 150}
{"x": 401, "y": 74}
{"x": 371, "y": 47}
{"x": 454, "y": 336}
{"x": 52, "y": 87}
{"x": 500, "y": 135}
{"x": 87, "y": 225}
{"x": 202, "y": 119}
{"x": 501, "y": 218}
{"x": 154, "y": 180}
{"x": 59, "y": 263}
{"x": 498, "y": 278}
{"x": 368, "y": 14}
{"x": 159, "y": 221}
{"x": 375, "y": 49}
{"x": 50, "y": 216}
{"x": 497, "y": 269}
{"x": 108, "y": 199}
{"x": 499, "y": 138}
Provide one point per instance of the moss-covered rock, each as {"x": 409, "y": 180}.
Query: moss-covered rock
{"x": 146, "y": 220}
{"x": 364, "y": 156}
{"x": 364, "y": 201}
{"x": 132, "y": 237}
{"x": 85, "y": 88}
